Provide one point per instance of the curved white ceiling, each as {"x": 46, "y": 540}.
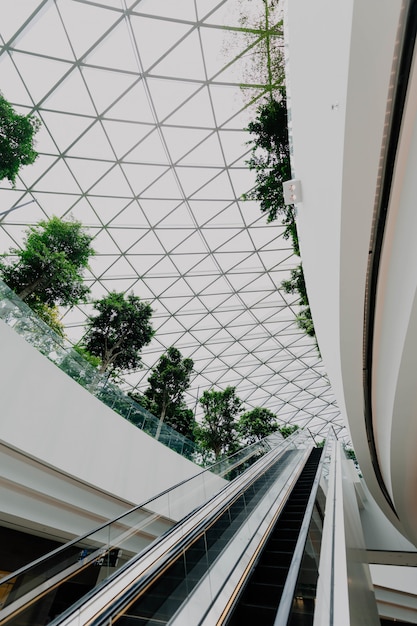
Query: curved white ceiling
{"x": 143, "y": 140}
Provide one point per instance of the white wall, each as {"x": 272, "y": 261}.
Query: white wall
{"x": 68, "y": 462}
{"x": 340, "y": 61}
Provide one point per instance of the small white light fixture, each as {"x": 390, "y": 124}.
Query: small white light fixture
{"x": 292, "y": 191}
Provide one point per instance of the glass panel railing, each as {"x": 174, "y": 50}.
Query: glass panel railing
{"x": 85, "y": 562}
{"x": 27, "y": 324}
{"x": 170, "y": 571}
{"x": 300, "y": 600}
{"x": 164, "y": 597}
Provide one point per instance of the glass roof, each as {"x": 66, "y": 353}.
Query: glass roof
{"x": 143, "y": 141}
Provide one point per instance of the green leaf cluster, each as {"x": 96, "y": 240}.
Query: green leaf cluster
{"x": 164, "y": 397}
{"x": 49, "y": 268}
{"x": 16, "y": 140}
{"x": 270, "y": 157}
{"x": 288, "y": 430}
{"x": 256, "y": 424}
{"x": 224, "y": 429}
{"x": 119, "y": 331}
{"x": 271, "y": 161}
{"x": 49, "y": 315}
{"x": 218, "y": 429}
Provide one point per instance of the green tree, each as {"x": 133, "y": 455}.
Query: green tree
{"x": 94, "y": 361}
{"x": 16, "y": 140}
{"x": 168, "y": 382}
{"x": 218, "y": 429}
{"x": 48, "y": 269}
{"x": 119, "y": 331}
{"x": 271, "y": 161}
{"x": 257, "y": 424}
{"x": 262, "y": 65}
{"x": 183, "y": 421}
{"x": 288, "y": 430}
{"x": 271, "y": 158}
{"x": 296, "y": 284}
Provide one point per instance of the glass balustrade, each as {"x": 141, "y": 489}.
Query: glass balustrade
{"x": 15, "y": 313}
{"x": 88, "y": 560}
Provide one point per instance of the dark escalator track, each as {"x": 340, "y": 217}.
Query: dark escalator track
{"x": 155, "y": 602}
{"x": 259, "y": 600}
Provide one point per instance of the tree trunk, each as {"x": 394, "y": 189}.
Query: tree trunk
{"x": 161, "y": 421}
{"x": 29, "y": 289}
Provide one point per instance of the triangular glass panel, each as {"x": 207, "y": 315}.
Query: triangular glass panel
{"x": 59, "y": 179}
{"x": 215, "y": 238}
{"x": 106, "y": 208}
{"x": 113, "y": 183}
{"x": 134, "y": 106}
{"x": 13, "y": 88}
{"x": 156, "y": 210}
{"x": 170, "y": 238}
{"x": 86, "y": 24}
{"x": 195, "y": 112}
{"x": 65, "y": 128}
{"x": 150, "y": 150}
{"x": 132, "y": 216}
{"x": 149, "y": 244}
{"x": 181, "y": 10}
{"x": 178, "y": 217}
{"x": 40, "y": 74}
{"x": 155, "y": 37}
{"x": 192, "y": 179}
{"x": 124, "y": 136}
{"x": 29, "y": 174}
{"x": 165, "y": 187}
{"x": 84, "y": 213}
{"x": 104, "y": 86}
{"x": 219, "y": 189}
{"x": 181, "y": 140}
{"x": 104, "y": 53}
{"x": 34, "y": 40}
{"x": 71, "y": 95}
{"x": 87, "y": 171}
{"x": 184, "y": 61}
{"x": 206, "y": 153}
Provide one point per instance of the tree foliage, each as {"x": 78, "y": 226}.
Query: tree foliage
{"x": 48, "y": 269}
{"x": 16, "y": 140}
{"x": 262, "y": 28}
{"x": 270, "y": 157}
{"x": 288, "y": 430}
{"x": 49, "y": 315}
{"x": 218, "y": 429}
{"x": 257, "y": 424}
{"x": 296, "y": 284}
{"x": 119, "y": 331}
{"x": 271, "y": 161}
{"x": 168, "y": 382}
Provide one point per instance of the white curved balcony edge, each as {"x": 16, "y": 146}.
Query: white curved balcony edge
{"x": 339, "y": 93}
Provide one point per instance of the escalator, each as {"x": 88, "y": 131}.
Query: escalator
{"x": 155, "y": 602}
{"x": 259, "y": 513}
{"x": 261, "y": 595}
{"x": 164, "y": 598}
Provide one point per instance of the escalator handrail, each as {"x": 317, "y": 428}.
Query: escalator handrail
{"x": 203, "y": 517}
{"x": 26, "y": 568}
{"x": 288, "y": 592}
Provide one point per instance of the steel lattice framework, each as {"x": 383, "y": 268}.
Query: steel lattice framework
{"x": 143, "y": 141}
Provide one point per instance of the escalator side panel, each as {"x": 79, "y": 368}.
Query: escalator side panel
{"x": 259, "y": 599}
{"x": 216, "y": 538}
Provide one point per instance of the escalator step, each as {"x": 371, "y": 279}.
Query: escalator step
{"x": 250, "y": 614}
{"x": 267, "y": 574}
{"x": 264, "y": 594}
